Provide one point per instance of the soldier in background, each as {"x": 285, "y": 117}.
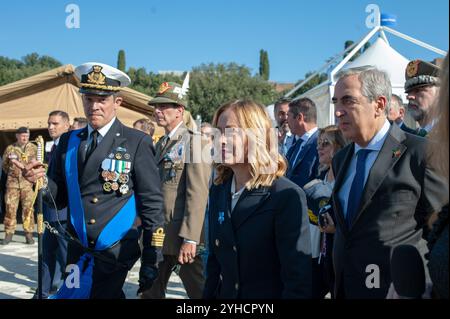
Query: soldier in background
{"x": 422, "y": 89}
{"x": 18, "y": 189}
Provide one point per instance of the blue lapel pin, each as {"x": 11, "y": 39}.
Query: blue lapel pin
{"x": 221, "y": 217}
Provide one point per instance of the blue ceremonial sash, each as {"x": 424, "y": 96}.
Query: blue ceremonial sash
{"x": 113, "y": 231}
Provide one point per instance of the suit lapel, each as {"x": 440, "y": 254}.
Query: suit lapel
{"x": 306, "y": 149}
{"x": 391, "y": 151}
{"x": 83, "y": 135}
{"x": 248, "y": 204}
{"x": 340, "y": 176}
{"x": 223, "y": 213}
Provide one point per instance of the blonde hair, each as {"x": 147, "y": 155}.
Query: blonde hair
{"x": 252, "y": 115}
{"x": 439, "y": 136}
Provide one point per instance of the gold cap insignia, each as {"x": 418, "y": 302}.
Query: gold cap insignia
{"x": 158, "y": 237}
{"x": 412, "y": 68}
{"x": 164, "y": 87}
{"x": 96, "y": 76}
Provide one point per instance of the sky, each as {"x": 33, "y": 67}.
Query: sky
{"x": 177, "y": 35}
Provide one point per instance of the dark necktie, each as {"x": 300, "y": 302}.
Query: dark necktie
{"x": 164, "y": 141}
{"x": 92, "y": 145}
{"x": 292, "y": 154}
{"x": 356, "y": 190}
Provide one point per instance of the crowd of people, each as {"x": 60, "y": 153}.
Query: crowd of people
{"x": 321, "y": 216}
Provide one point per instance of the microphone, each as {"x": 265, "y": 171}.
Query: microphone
{"x": 407, "y": 272}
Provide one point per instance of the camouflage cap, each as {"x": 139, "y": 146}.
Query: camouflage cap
{"x": 171, "y": 93}
{"x": 420, "y": 73}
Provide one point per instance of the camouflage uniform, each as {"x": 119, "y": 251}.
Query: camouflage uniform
{"x": 18, "y": 190}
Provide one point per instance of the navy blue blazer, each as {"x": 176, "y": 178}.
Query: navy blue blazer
{"x": 262, "y": 249}
{"x": 306, "y": 168}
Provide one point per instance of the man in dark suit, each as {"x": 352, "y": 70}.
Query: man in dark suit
{"x": 396, "y": 113}
{"x": 105, "y": 174}
{"x": 54, "y": 247}
{"x": 384, "y": 190}
{"x": 303, "y": 159}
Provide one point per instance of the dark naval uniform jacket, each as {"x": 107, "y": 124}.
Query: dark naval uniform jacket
{"x": 101, "y": 206}
{"x": 262, "y": 249}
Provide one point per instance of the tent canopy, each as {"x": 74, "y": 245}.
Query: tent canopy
{"x": 385, "y": 58}
{"x": 29, "y": 101}
{"x": 380, "y": 54}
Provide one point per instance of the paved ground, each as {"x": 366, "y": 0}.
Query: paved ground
{"x": 18, "y": 272}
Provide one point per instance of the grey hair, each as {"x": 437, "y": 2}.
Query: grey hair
{"x": 374, "y": 82}
{"x": 396, "y": 103}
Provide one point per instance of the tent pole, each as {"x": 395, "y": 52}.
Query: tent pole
{"x": 383, "y": 36}
{"x": 353, "y": 52}
{"x": 415, "y": 41}
{"x": 292, "y": 91}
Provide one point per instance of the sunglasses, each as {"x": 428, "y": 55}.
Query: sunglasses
{"x": 323, "y": 143}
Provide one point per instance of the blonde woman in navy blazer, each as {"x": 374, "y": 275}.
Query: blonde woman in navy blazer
{"x": 259, "y": 238}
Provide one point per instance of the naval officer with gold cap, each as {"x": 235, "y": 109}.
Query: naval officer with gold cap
{"x": 106, "y": 175}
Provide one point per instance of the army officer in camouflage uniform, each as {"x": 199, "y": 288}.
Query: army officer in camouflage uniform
{"x": 18, "y": 189}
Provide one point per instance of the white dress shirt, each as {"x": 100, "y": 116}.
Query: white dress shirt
{"x": 171, "y": 133}
{"x": 375, "y": 146}
{"x": 101, "y": 132}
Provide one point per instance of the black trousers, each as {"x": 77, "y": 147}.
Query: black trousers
{"x": 54, "y": 254}
{"x": 109, "y": 275}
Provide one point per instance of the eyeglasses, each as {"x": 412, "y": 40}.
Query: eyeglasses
{"x": 323, "y": 143}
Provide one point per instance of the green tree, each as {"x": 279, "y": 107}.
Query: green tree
{"x": 121, "y": 61}
{"x": 264, "y": 69}
{"x": 316, "y": 80}
{"x": 357, "y": 54}
{"x": 212, "y": 85}
{"x": 149, "y": 83}
{"x": 346, "y": 45}
{"x": 12, "y": 70}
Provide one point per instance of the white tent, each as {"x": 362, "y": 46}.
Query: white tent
{"x": 380, "y": 54}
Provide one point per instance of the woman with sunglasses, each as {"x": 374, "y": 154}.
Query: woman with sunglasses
{"x": 318, "y": 192}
